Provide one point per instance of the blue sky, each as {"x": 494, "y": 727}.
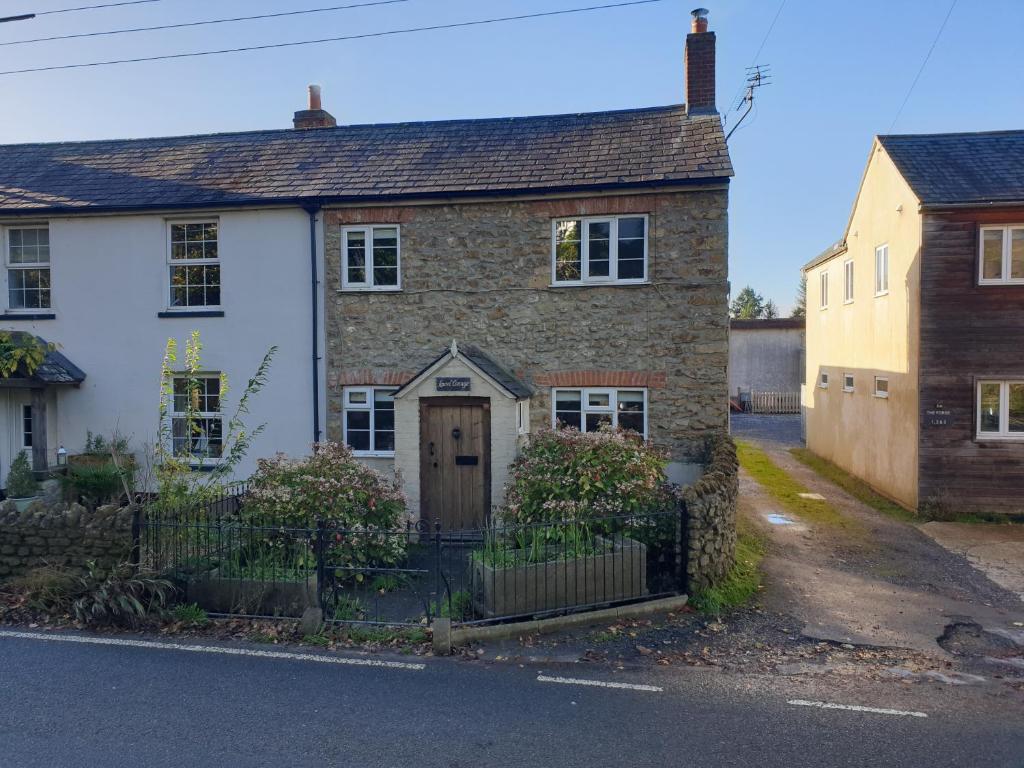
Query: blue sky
{"x": 840, "y": 71}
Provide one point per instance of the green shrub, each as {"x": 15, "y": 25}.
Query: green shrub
{"x": 47, "y": 588}
{"x": 21, "y": 483}
{"x": 190, "y": 613}
{"x": 566, "y": 475}
{"x": 120, "y": 597}
{"x": 359, "y": 504}
{"x": 98, "y": 445}
{"x": 96, "y": 485}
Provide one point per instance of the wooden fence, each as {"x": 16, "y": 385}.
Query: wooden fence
{"x": 775, "y": 402}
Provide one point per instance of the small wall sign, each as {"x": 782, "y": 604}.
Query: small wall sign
{"x": 938, "y": 417}
{"x": 452, "y": 383}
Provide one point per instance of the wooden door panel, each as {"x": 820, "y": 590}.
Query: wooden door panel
{"x": 455, "y": 489}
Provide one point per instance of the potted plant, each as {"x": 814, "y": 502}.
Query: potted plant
{"x": 21, "y": 482}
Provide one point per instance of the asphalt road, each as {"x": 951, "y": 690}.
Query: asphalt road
{"x": 71, "y": 704}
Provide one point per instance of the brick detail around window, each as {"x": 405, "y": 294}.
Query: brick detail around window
{"x": 399, "y": 214}
{"x": 651, "y": 380}
{"x": 363, "y": 377}
{"x": 594, "y": 206}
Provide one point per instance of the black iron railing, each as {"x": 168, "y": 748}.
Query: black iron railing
{"x": 235, "y": 563}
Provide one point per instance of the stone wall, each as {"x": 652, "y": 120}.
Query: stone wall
{"x": 62, "y": 534}
{"x": 711, "y": 517}
{"x": 480, "y": 272}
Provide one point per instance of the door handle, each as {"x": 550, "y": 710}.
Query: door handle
{"x": 431, "y": 446}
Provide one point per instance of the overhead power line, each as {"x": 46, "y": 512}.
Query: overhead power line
{"x": 924, "y": 63}
{"x": 184, "y": 24}
{"x": 94, "y": 7}
{"x": 269, "y": 46}
{"x": 738, "y": 100}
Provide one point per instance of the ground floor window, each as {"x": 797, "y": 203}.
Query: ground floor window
{"x": 1001, "y": 409}
{"x": 587, "y": 409}
{"x": 197, "y": 425}
{"x": 369, "y": 420}
{"x": 26, "y": 426}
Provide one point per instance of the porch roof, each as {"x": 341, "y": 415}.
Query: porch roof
{"x": 55, "y": 368}
{"x": 480, "y": 360}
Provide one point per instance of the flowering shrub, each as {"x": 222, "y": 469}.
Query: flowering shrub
{"x": 358, "y": 504}
{"x": 572, "y": 476}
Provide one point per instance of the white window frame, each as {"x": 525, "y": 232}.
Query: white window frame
{"x": 848, "y": 387}
{"x": 823, "y": 290}
{"x": 613, "y": 404}
{"x": 348, "y": 405}
{"x": 613, "y": 250}
{"x": 882, "y": 393}
{"x": 172, "y": 414}
{"x": 1004, "y": 432}
{"x": 521, "y": 416}
{"x": 11, "y": 267}
{"x": 26, "y": 445}
{"x": 848, "y": 281}
{"x": 173, "y": 262}
{"x": 882, "y": 270}
{"x": 823, "y": 380}
{"x": 368, "y": 233}
{"x": 1004, "y": 278}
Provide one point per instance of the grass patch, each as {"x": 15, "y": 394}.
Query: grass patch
{"x": 784, "y": 489}
{"x": 742, "y": 582}
{"x": 856, "y": 488}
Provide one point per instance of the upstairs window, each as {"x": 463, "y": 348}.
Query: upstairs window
{"x": 196, "y": 402}
{"x": 194, "y": 265}
{"x": 848, "y": 282}
{"x": 881, "y": 270}
{"x": 600, "y": 250}
{"x": 847, "y": 382}
{"x": 823, "y": 290}
{"x": 369, "y": 420}
{"x": 587, "y": 409}
{"x": 370, "y": 258}
{"x": 1001, "y": 410}
{"x": 881, "y": 386}
{"x": 823, "y": 380}
{"x": 28, "y": 268}
{"x": 1002, "y": 255}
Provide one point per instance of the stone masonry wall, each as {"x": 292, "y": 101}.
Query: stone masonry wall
{"x": 64, "y": 535}
{"x": 481, "y": 273}
{"x": 711, "y": 517}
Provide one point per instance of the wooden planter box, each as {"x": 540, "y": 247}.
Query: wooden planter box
{"x": 532, "y": 588}
{"x": 217, "y": 594}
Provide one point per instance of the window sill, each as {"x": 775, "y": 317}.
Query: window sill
{"x": 847, "y": 302}
{"x": 999, "y": 438}
{"x": 351, "y": 289}
{"x": 191, "y": 313}
{"x": 847, "y": 391}
{"x": 28, "y": 316}
{"x": 881, "y": 397}
{"x": 1011, "y": 281}
{"x": 373, "y": 454}
{"x": 597, "y": 283}
{"x": 880, "y": 294}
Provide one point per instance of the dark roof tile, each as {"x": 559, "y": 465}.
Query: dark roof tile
{"x": 456, "y": 156}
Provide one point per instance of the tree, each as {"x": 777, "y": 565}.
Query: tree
{"x": 748, "y": 305}
{"x": 769, "y": 311}
{"x": 800, "y": 308}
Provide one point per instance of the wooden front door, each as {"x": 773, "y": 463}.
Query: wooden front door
{"x": 455, "y": 461}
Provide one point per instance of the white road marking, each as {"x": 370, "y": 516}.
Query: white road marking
{"x": 321, "y": 659}
{"x": 815, "y": 496}
{"x": 855, "y": 708}
{"x": 598, "y": 683}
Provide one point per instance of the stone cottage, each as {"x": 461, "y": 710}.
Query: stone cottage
{"x": 492, "y": 278}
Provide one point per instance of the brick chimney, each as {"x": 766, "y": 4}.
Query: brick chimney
{"x": 316, "y": 116}
{"x": 699, "y": 63}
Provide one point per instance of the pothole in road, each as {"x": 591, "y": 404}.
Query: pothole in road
{"x": 966, "y": 638}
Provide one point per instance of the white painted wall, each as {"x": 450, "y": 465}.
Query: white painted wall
{"x": 109, "y": 276}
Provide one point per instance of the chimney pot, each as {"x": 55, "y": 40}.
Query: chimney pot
{"x": 699, "y": 66}
{"x": 316, "y": 116}
{"x": 699, "y": 22}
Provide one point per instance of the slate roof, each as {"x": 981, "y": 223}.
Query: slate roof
{"x": 961, "y": 168}
{"x": 453, "y": 157}
{"x": 55, "y": 368}
{"x": 501, "y": 375}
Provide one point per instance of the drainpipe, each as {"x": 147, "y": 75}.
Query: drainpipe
{"x": 313, "y": 210}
